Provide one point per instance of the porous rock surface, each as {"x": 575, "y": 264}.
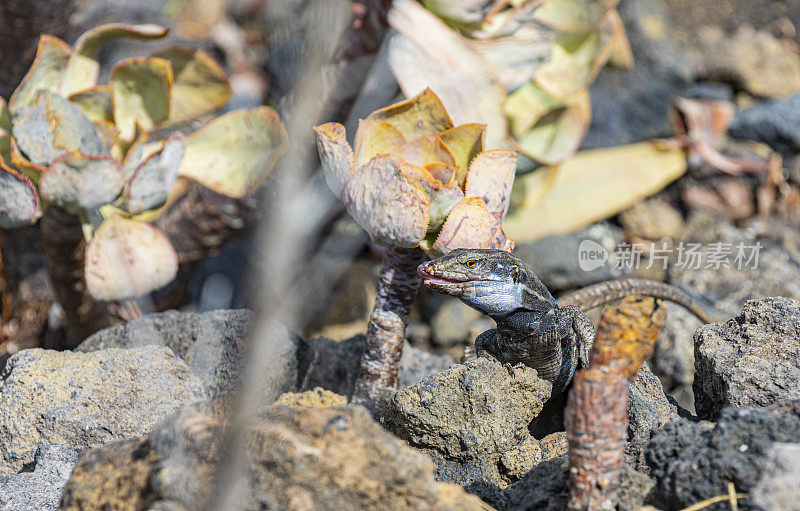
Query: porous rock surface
{"x": 210, "y": 343}
{"x": 472, "y": 419}
{"x": 751, "y": 360}
{"x": 694, "y": 461}
{"x": 83, "y": 400}
{"x": 40, "y": 489}
{"x": 313, "y": 458}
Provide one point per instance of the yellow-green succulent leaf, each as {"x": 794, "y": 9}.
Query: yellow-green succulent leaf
{"x": 464, "y": 142}
{"x": 235, "y": 152}
{"x": 51, "y": 58}
{"x": 573, "y": 15}
{"x": 376, "y": 137}
{"x": 82, "y": 69}
{"x": 424, "y": 114}
{"x": 95, "y": 102}
{"x": 200, "y": 85}
{"x": 141, "y": 90}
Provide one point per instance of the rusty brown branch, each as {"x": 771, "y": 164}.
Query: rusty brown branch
{"x": 596, "y": 415}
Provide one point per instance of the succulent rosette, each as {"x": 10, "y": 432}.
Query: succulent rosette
{"x": 415, "y": 180}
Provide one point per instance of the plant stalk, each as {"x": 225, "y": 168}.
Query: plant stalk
{"x": 397, "y": 287}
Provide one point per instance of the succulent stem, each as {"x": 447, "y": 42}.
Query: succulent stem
{"x": 596, "y": 415}
{"x": 397, "y": 287}
{"x": 64, "y": 243}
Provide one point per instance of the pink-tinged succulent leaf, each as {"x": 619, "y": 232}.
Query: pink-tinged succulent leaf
{"x": 424, "y": 52}
{"x": 470, "y": 225}
{"x": 19, "y": 203}
{"x": 79, "y": 182}
{"x": 490, "y": 177}
{"x": 424, "y": 114}
{"x": 464, "y": 142}
{"x": 200, "y": 85}
{"x": 82, "y": 69}
{"x": 153, "y": 179}
{"x": 51, "y": 126}
{"x": 548, "y": 130}
{"x": 141, "y": 94}
{"x": 573, "y": 15}
{"x": 126, "y": 259}
{"x": 335, "y": 155}
{"x": 51, "y": 57}
{"x": 443, "y": 173}
{"x": 577, "y": 58}
{"x": 392, "y": 207}
{"x": 427, "y": 149}
{"x": 235, "y": 152}
{"x": 375, "y": 137}
{"x": 95, "y": 102}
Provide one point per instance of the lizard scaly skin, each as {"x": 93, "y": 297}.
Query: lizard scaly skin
{"x": 532, "y": 328}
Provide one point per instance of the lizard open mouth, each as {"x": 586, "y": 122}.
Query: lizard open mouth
{"x": 428, "y": 277}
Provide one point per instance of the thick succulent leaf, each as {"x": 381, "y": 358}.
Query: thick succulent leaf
{"x": 424, "y": 52}
{"x": 427, "y": 149}
{"x": 234, "y": 153}
{"x": 577, "y": 58}
{"x": 491, "y": 176}
{"x": 548, "y": 130}
{"x": 516, "y": 58}
{"x": 442, "y": 173}
{"x": 150, "y": 184}
{"x": 135, "y": 155}
{"x": 126, "y": 259}
{"x": 200, "y": 85}
{"x": 390, "y": 206}
{"x": 573, "y": 15}
{"x": 23, "y": 165}
{"x": 588, "y": 187}
{"x": 442, "y": 201}
{"x": 51, "y": 126}
{"x": 374, "y": 137}
{"x": 464, "y": 142}
{"x": 424, "y": 114}
{"x": 109, "y": 134}
{"x": 19, "y": 204}
{"x": 141, "y": 94}
{"x": 460, "y": 11}
{"x": 335, "y": 155}
{"x": 96, "y": 103}
{"x": 51, "y": 58}
{"x": 83, "y": 69}
{"x": 470, "y": 225}
{"x": 6, "y": 123}
{"x": 78, "y": 182}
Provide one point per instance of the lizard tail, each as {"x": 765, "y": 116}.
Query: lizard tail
{"x": 609, "y": 291}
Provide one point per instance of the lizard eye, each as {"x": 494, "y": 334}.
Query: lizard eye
{"x": 471, "y": 262}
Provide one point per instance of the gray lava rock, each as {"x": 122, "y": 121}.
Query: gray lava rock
{"x": 39, "y": 490}
{"x": 779, "y": 487}
{"x": 211, "y": 343}
{"x": 335, "y": 364}
{"x": 83, "y": 400}
{"x": 470, "y": 416}
{"x": 453, "y": 323}
{"x": 752, "y": 360}
{"x": 775, "y": 123}
{"x": 648, "y": 411}
{"x": 546, "y": 488}
{"x": 554, "y": 258}
{"x": 694, "y": 461}
{"x": 313, "y": 458}
{"x": 673, "y": 356}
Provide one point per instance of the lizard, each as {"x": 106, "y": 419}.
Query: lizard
{"x": 532, "y": 327}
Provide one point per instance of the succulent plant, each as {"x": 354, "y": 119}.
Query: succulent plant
{"x": 99, "y": 151}
{"x": 413, "y": 181}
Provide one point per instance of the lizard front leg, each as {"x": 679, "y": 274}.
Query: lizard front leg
{"x": 585, "y": 333}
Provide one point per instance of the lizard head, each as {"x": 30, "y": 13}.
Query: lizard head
{"x": 494, "y": 282}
